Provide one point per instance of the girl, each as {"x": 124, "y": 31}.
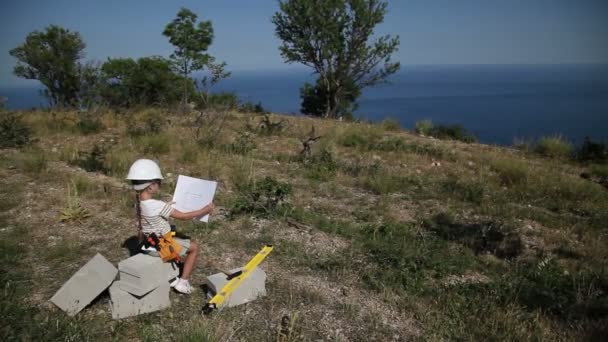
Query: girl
{"x": 153, "y": 215}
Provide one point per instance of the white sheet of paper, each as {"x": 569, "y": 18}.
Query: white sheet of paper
{"x": 192, "y": 194}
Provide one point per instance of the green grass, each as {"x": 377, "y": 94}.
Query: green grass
{"x": 156, "y": 145}
{"x": 33, "y": 161}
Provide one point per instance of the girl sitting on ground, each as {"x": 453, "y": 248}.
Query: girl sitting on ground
{"x": 153, "y": 215}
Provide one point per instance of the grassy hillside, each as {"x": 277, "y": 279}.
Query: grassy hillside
{"x": 379, "y": 234}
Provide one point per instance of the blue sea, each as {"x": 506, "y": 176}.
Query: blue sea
{"x": 496, "y": 102}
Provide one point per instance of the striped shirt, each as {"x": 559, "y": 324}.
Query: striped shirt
{"x": 154, "y": 217}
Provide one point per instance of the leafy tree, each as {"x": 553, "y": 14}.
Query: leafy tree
{"x": 51, "y": 57}
{"x": 332, "y": 37}
{"x": 147, "y": 81}
{"x": 191, "y": 40}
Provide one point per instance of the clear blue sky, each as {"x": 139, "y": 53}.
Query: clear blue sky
{"x": 431, "y": 31}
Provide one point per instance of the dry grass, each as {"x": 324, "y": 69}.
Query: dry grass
{"x": 357, "y": 253}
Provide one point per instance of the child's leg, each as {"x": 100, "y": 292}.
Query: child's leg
{"x": 190, "y": 260}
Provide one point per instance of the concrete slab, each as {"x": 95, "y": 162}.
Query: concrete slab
{"x": 85, "y": 285}
{"x": 142, "y": 273}
{"x": 251, "y": 288}
{"x": 123, "y": 304}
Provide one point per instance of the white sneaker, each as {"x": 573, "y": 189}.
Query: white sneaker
{"x": 174, "y": 282}
{"x": 183, "y": 286}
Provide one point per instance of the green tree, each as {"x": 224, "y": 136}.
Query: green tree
{"x": 148, "y": 81}
{"x": 191, "y": 41}
{"x": 51, "y": 57}
{"x": 333, "y": 38}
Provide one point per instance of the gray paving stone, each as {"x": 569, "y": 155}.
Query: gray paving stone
{"x": 251, "y": 288}
{"x": 142, "y": 273}
{"x": 85, "y": 285}
{"x": 123, "y": 304}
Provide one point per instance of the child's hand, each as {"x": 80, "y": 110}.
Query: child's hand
{"x": 210, "y": 207}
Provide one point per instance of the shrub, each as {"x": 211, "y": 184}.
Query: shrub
{"x": 13, "y": 132}
{"x": 263, "y": 198}
{"x": 390, "y": 124}
{"x": 591, "y": 151}
{"x": 554, "y": 147}
{"x": 454, "y": 132}
{"x": 424, "y": 127}
{"x": 242, "y": 145}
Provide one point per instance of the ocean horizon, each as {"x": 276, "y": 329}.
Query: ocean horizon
{"x": 497, "y": 103}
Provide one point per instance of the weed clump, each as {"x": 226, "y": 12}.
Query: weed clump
{"x": 73, "y": 210}
{"x": 424, "y": 127}
{"x": 264, "y": 198}
{"x": 13, "y": 132}
{"x": 554, "y": 147}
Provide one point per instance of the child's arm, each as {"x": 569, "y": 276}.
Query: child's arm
{"x": 176, "y": 214}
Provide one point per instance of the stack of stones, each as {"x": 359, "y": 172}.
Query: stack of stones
{"x": 143, "y": 286}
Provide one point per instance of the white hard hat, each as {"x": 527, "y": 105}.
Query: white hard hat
{"x": 143, "y": 170}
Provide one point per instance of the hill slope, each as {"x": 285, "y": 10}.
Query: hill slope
{"x": 379, "y": 234}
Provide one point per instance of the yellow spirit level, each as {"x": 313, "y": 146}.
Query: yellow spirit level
{"x": 235, "y": 279}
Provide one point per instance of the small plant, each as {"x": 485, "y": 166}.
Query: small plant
{"x": 73, "y": 210}
{"x": 554, "y": 147}
{"x": 424, "y": 127}
{"x": 320, "y": 165}
{"x": 242, "y": 145}
{"x": 13, "y": 132}
{"x": 263, "y": 198}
